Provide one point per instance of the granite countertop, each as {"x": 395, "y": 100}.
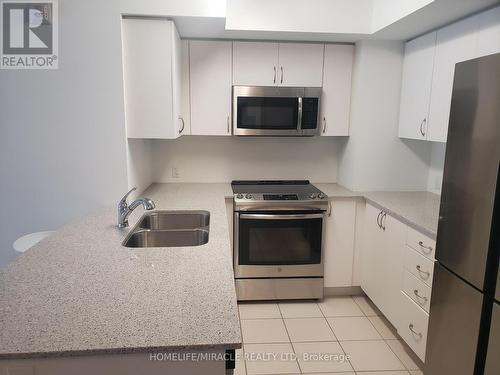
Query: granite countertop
{"x": 80, "y": 292}
{"x": 418, "y": 209}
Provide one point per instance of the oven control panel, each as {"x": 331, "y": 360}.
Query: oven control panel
{"x": 279, "y": 197}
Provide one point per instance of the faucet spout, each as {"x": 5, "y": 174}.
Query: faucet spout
{"x": 124, "y": 210}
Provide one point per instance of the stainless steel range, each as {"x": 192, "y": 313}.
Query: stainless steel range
{"x": 278, "y": 239}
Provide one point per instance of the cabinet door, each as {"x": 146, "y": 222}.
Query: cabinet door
{"x": 382, "y": 262}
{"x": 392, "y": 251}
{"x": 336, "y": 96}
{"x": 416, "y": 87}
{"x": 210, "y": 87}
{"x": 300, "y": 64}
{"x": 255, "y": 63}
{"x": 372, "y": 259}
{"x": 339, "y": 243}
{"x": 488, "y": 40}
{"x": 148, "y": 48}
{"x": 455, "y": 43}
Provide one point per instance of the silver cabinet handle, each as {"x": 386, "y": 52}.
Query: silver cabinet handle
{"x": 378, "y": 219}
{"x": 181, "y": 129}
{"x": 329, "y": 208}
{"x": 422, "y": 127}
{"x": 274, "y": 77}
{"x": 415, "y": 291}
{"x": 281, "y": 74}
{"x": 228, "y": 128}
{"x": 426, "y": 249}
{"x": 382, "y": 218}
{"x": 419, "y": 334}
{"x": 324, "y": 125}
{"x": 422, "y": 272}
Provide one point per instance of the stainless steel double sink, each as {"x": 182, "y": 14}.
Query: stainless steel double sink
{"x": 170, "y": 229}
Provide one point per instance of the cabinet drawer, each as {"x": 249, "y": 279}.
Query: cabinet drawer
{"x": 421, "y": 267}
{"x": 420, "y": 242}
{"x": 417, "y": 290}
{"x": 413, "y": 326}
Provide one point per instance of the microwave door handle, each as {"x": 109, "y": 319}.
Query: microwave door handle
{"x": 299, "y": 117}
{"x": 281, "y": 216}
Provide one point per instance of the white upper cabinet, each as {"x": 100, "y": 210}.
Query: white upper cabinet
{"x": 301, "y": 64}
{"x": 416, "y": 87}
{"x": 255, "y": 63}
{"x": 152, "y": 78}
{"x": 454, "y": 43}
{"x": 210, "y": 87}
{"x": 488, "y": 40}
{"x": 277, "y": 64}
{"x": 429, "y": 69}
{"x": 336, "y": 96}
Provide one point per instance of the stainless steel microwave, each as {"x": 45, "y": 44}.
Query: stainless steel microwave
{"x": 276, "y": 111}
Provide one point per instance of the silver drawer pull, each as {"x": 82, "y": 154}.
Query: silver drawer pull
{"x": 427, "y": 249}
{"x": 418, "y": 334}
{"x": 419, "y": 296}
{"x": 422, "y": 272}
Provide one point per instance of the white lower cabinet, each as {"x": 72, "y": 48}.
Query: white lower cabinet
{"x": 382, "y": 260}
{"x": 421, "y": 267}
{"x": 417, "y": 290}
{"x": 339, "y": 243}
{"x": 397, "y": 270}
{"x": 412, "y": 325}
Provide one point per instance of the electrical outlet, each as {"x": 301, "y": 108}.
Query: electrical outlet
{"x": 175, "y": 172}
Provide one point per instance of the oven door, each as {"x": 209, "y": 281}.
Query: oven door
{"x": 280, "y": 244}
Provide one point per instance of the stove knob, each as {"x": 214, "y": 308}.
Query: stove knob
{"x": 248, "y": 196}
{"x": 321, "y": 196}
{"x": 312, "y": 196}
{"x": 239, "y": 196}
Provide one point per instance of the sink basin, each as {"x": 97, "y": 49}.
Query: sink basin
{"x": 167, "y": 238}
{"x": 162, "y": 220}
{"x": 170, "y": 229}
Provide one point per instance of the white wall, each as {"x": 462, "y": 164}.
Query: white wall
{"x": 435, "y": 178}
{"x": 62, "y": 132}
{"x": 373, "y": 157}
{"x": 222, "y": 159}
{"x": 139, "y": 165}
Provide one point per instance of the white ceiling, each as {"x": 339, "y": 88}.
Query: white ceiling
{"x": 329, "y": 20}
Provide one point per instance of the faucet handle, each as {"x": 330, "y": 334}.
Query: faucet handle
{"x": 123, "y": 201}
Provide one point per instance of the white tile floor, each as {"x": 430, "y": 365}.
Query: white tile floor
{"x": 312, "y": 338}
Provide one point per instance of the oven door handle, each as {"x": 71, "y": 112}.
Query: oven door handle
{"x": 281, "y": 216}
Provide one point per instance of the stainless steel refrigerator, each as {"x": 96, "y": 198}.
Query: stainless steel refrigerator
{"x": 464, "y": 325}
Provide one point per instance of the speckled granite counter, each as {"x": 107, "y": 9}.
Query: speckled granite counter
{"x": 418, "y": 209}
{"x": 80, "y": 292}
{"x": 337, "y": 191}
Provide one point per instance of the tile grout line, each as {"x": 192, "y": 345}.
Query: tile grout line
{"x": 385, "y": 340}
{"x": 243, "y": 342}
{"x": 290, "y": 339}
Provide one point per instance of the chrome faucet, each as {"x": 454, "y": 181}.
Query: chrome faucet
{"x": 124, "y": 210}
